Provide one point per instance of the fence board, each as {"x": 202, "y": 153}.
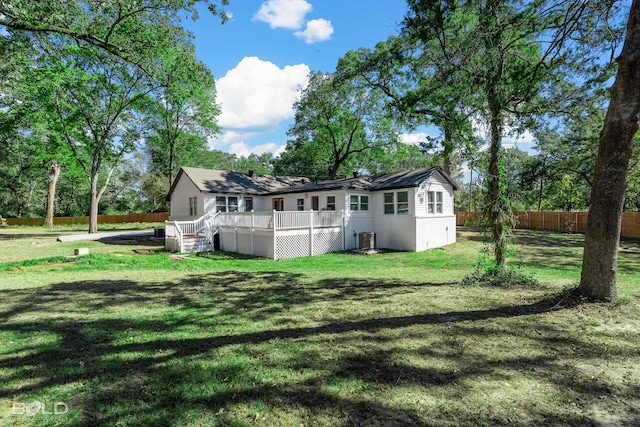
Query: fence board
{"x": 102, "y": 219}
{"x": 563, "y": 222}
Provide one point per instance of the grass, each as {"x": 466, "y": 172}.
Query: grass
{"x": 131, "y": 335}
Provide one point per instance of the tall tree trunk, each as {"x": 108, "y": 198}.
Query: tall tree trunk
{"x": 495, "y": 208}
{"x": 96, "y": 195}
{"x": 540, "y": 195}
{"x": 600, "y": 259}
{"x": 172, "y": 160}
{"x": 54, "y": 174}
{"x": 93, "y": 205}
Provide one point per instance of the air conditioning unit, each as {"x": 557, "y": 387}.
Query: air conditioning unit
{"x": 367, "y": 240}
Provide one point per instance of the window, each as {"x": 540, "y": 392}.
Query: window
{"x": 364, "y": 203}
{"x": 403, "y": 203}
{"x": 221, "y": 204}
{"x": 357, "y": 202}
{"x": 434, "y": 202}
{"x": 278, "y": 204}
{"x": 331, "y": 203}
{"x": 227, "y": 203}
{"x": 248, "y": 204}
{"x": 388, "y": 203}
{"x": 300, "y": 204}
{"x": 232, "y": 204}
{"x": 193, "y": 206}
{"x": 315, "y": 204}
{"x": 354, "y": 202}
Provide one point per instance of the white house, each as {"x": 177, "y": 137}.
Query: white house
{"x": 279, "y": 217}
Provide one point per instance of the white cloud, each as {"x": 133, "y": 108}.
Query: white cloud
{"x": 283, "y": 13}
{"x": 258, "y": 95}
{"x": 222, "y": 142}
{"x": 241, "y": 149}
{"x": 518, "y": 140}
{"x": 413, "y": 138}
{"x": 317, "y": 30}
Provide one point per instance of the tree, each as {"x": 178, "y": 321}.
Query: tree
{"x": 418, "y": 87}
{"x": 135, "y": 31}
{"x": 95, "y": 96}
{"x": 598, "y": 275}
{"x": 183, "y": 114}
{"x": 509, "y": 53}
{"x": 335, "y": 121}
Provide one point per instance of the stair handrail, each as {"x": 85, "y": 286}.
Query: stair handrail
{"x": 211, "y": 226}
{"x": 178, "y": 235}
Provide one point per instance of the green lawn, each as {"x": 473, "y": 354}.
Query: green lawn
{"x": 130, "y": 335}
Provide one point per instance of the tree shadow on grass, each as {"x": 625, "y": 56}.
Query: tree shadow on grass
{"x": 163, "y": 354}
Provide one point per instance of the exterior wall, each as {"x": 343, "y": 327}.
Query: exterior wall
{"x": 435, "y": 183}
{"x": 434, "y": 232}
{"x": 180, "y": 200}
{"x": 291, "y": 200}
{"x": 355, "y": 224}
{"x": 439, "y": 229}
{"x": 397, "y": 232}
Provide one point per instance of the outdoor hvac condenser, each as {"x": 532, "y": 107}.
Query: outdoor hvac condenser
{"x": 367, "y": 240}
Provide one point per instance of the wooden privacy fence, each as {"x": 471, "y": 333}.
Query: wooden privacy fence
{"x": 563, "y": 222}
{"x": 102, "y": 219}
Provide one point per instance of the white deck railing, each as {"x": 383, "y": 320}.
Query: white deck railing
{"x": 207, "y": 225}
{"x": 250, "y": 229}
{"x": 281, "y": 220}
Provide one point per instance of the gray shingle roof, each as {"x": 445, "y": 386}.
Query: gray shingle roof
{"x": 230, "y": 182}
{"x": 388, "y": 181}
{"x": 217, "y": 181}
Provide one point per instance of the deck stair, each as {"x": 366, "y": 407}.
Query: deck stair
{"x": 197, "y": 235}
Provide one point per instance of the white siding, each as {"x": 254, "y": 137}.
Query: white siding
{"x": 179, "y": 206}
{"x": 291, "y": 200}
{"x": 434, "y": 183}
{"x": 434, "y": 232}
{"x": 397, "y": 232}
{"x": 354, "y": 225}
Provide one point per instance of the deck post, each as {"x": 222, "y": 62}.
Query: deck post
{"x": 311, "y": 232}
{"x": 253, "y": 231}
{"x": 275, "y": 239}
{"x": 344, "y": 235}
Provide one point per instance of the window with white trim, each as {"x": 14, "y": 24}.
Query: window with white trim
{"x": 389, "y": 204}
{"x": 403, "y": 203}
{"x": 331, "y": 203}
{"x": 221, "y": 204}
{"x": 193, "y": 206}
{"x": 232, "y": 204}
{"x": 248, "y": 204}
{"x": 358, "y": 202}
{"x": 434, "y": 202}
{"x": 300, "y": 204}
{"x": 226, "y": 204}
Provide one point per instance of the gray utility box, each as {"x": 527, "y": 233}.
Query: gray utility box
{"x": 367, "y": 240}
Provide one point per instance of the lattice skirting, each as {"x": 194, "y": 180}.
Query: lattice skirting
{"x": 325, "y": 242}
{"x": 288, "y": 244}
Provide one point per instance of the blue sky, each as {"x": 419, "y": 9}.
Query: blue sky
{"x": 265, "y": 52}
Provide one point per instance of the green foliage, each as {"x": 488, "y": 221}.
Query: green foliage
{"x": 488, "y": 274}
{"x": 183, "y": 114}
{"x": 137, "y": 32}
{"x": 340, "y": 127}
